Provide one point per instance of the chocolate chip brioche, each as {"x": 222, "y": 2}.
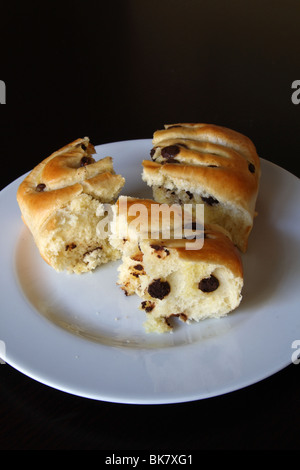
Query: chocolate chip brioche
{"x": 63, "y": 199}
{"x": 210, "y": 165}
{"x": 174, "y": 278}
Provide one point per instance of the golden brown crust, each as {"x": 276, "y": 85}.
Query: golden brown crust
{"x": 60, "y": 178}
{"x": 223, "y": 161}
{"x": 217, "y": 247}
{"x": 128, "y": 202}
{"x": 212, "y": 133}
{"x": 200, "y": 163}
{"x": 148, "y": 223}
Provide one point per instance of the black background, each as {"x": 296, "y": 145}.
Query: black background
{"x": 119, "y": 70}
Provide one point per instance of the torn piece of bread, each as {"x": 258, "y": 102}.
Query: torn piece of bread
{"x": 173, "y": 277}
{"x": 210, "y": 165}
{"x": 63, "y": 199}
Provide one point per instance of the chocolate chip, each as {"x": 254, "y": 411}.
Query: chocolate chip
{"x": 147, "y": 306}
{"x": 160, "y": 248}
{"x": 84, "y": 147}
{"x": 70, "y": 247}
{"x": 138, "y": 267}
{"x": 210, "y": 200}
{"x": 159, "y": 289}
{"x": 40, "y": 187}
{"x": 152, "y": 152}
{"x": 189, "y": 194}
{"x": 209, "y": 284}
{"x": 251, "y": 168}
{"x": 170, "y": 151}
{"x": 86, "y": 161}
{"x": 156, "y": 247}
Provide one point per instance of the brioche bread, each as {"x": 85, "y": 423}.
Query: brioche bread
{"x": 210, "y": 165}
{"x": 172, "y": 277}
{"x": 62, "y": 201}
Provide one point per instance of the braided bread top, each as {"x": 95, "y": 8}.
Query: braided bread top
{"x": 61, "y": 177}
{"x": 222, "y": 160}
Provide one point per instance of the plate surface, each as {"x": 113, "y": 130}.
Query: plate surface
{"x": 82, "y": 335}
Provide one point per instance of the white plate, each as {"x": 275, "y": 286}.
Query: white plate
{"x": 82, "y": 335}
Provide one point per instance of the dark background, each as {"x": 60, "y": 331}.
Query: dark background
{"x": 116, "y": 71}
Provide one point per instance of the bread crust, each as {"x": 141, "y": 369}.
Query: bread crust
{"x": 217, "y": 247}
{"x": 51, "y": 187}
{"x": 177, "y": 276}
{"x": 209, "y": 133}
{"x": 205, "y": 157}
{"x": 213, "y": 156}
{"x": 64, "y": 180}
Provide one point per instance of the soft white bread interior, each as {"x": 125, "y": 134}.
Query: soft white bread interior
{"x": 210, "y": 165}
{"x": 63, "y": 199}
{"x": 172, "y": 277}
